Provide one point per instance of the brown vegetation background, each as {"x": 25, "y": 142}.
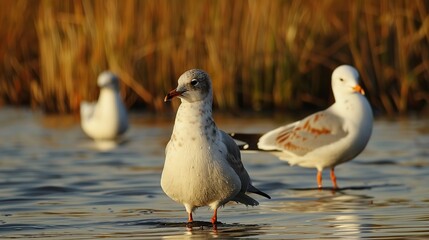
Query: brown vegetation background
{"x": 275, "y": 55}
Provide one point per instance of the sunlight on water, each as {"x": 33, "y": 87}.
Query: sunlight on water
{"x": 58, "y": 184}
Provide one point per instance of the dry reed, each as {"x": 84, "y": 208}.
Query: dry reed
{"x": 260, "y": 54}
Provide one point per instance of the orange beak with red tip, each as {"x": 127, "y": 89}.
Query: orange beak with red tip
{"x": 359, "y": 89}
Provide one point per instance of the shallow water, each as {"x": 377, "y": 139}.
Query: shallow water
{"x": 58, "y": 184}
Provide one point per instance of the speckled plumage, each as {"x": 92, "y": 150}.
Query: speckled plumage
{"x": 203, "y": 164}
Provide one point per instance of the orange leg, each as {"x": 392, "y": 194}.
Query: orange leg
{"x": 334, "y": 178}
{"x": 319, "y": 179}
{"x": 190, "y": 219}
{"x": 214, "y": 218}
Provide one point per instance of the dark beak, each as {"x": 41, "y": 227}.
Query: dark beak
{"x": 172, "y": 94}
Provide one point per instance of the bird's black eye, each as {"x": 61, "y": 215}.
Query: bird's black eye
{"x": 194, "y": 82}
{"x": 342, "y": 79}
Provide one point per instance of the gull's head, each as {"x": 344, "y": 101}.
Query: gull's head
{"x": 194, "y": 85}
{"x": 108, "y": 79}
{"x": 345, "y": 80}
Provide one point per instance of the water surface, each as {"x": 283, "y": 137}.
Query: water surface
{"x": 55, "y": 183}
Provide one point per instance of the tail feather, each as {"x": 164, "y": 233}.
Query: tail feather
{"x": 246, "y": 200}
{"x": 253, "y": 189}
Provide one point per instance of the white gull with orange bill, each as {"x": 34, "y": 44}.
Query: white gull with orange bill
{"x": 327, "y": 138}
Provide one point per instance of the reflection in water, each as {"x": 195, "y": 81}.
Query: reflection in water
{"x": 346, "y": 225}
{"x": 346, "y": 221}
{"x": 205, "y": 230}
{"x": 339, "y": 212}
{"x": 57, "y": 184}
{"x": 105, "y": 145}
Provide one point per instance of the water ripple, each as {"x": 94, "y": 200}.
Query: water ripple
{"x": 56, "y": 185}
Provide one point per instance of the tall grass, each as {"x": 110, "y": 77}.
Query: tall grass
{"x": 19, "y": 63}
{"x": 260, "y": 54}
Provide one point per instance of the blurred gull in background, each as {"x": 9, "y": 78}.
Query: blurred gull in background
{"x": 107, "y": 118}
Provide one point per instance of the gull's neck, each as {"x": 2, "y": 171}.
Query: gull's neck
{"x": 108, "y": 97}
{"x": 194, "y": 112}
{"x": 352, "y": 106}
{"x": 109, "y": 91}
{"x": 346, "y": 99}
{"x": 195, "y": 115}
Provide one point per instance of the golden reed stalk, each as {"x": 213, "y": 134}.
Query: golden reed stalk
{"x": 261, "y": 54}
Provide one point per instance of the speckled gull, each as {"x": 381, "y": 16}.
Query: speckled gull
{"x": 327, "y": 138}
{"x": 107, "y": 118}
{"x": 203, "y": 164}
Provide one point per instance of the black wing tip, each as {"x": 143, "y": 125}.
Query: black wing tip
{"x": 264, "y": 195}
{"x": 240, "y": 136}
{"x": 250, "y": 140}
{"x": 259, "y": 192}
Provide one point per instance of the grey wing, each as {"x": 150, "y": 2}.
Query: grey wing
{"x": 315, "y": 131}
{"x": 233, "y": 157}
{"x": 234, "y": 160}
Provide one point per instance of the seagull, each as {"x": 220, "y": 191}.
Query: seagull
{"x": 203, "y": 164}
{"x": 327, "y": 138}
{"x": 106, "y": 119}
